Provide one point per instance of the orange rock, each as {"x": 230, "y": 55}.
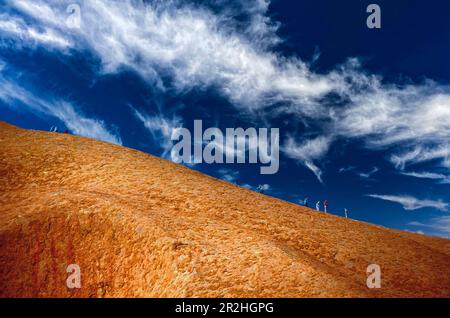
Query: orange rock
{"x": 140, "y": 226}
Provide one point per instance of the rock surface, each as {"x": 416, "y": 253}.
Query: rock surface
{"x": 140, "y": 226}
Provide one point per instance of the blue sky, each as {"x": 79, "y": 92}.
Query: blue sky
{"x": 364, "y": 114}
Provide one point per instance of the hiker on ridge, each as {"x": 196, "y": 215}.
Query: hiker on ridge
{"x": 345, "y": 212}
{"x": 325, "y": 205}
{"x": 318, "y": 206}
{"x": 305, "y": 202}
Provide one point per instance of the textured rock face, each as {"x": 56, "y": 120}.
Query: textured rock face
{"x": 139, "y": 226}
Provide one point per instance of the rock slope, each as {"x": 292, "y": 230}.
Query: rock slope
{"x": 140, "y": 226}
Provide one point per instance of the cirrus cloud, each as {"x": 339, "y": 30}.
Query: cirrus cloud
{"x": 411, "y": 203}
{"x": 15, "y": 96}
{"x": 183, "y": 46}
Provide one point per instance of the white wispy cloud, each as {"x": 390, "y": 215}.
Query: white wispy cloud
{"x": 81, "y": 125}
{"x": 397, "y": 114}
{"x": 16, "y": 29}
{"x": 308, "y": 151}
{"x": 314, "y": 169}
{"x": 362, "y": 175}
{"x": 17, "y": 97}
{"x": 260, "y": 187}
{"x": 228, "y": 175}
{"x": 440, "y": 177}
{"x": 411, "y": 203}
{"x": 437, "y": 226}
{"x": 191, "y": 43}
{"x": 197, "y": 47}
{"x": 446, "y": 163}
{"x": 413, "y": 120}
{"x": 367, "y": 175}
{"x": 160, "y": 128}
{"x": 263, "y": 187}
{"x": 421, "y": 154}
{"x": 346, "y": 169}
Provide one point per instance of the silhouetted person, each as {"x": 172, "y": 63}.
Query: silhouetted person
{"x": 325, "y": 205}
{"x": 318, "y": 206}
